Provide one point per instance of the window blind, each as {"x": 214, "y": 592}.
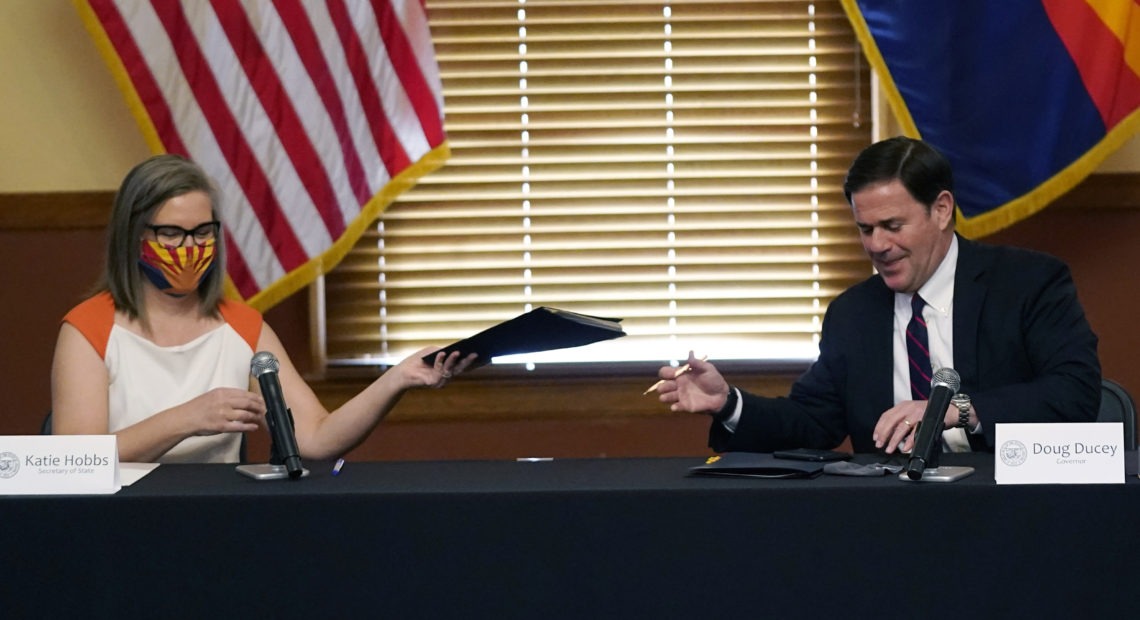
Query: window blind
{"x": 675, "y": 164}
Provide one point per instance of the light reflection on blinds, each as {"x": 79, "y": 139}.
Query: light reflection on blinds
{"x": 678, "y": 165}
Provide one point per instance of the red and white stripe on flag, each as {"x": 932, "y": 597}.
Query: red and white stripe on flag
{"x": 311, "y": 116}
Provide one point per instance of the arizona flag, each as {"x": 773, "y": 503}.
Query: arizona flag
{"x": 311, "y": 117}
{"x": 1024, "y": 97}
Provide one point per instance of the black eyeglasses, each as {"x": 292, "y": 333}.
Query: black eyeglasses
{"x": 176, "y": 235}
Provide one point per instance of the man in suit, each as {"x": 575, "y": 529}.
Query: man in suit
{"x": 1007, "y": 320}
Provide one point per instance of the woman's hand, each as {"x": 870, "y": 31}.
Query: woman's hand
{"x": 415, "y": 373}
{"x": 224, "y": 410}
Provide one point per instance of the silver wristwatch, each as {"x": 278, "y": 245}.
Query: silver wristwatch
{"x": 962, "y": 402}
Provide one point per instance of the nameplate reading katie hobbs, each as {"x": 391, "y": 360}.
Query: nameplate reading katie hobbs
{"x": 1059, "y": 453}
{"x": 59, "y": 465}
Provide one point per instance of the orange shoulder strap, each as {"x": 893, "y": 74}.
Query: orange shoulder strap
{"x": 94, "y": 319}
{"x": 244, "y": 319}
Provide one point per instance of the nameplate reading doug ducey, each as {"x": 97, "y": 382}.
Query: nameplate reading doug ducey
{"x": 1061, "y": 453}
{"x": 59, "y": 465}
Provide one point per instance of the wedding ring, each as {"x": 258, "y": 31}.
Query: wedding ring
{"x": 906, "y": 421}
{"x": 445, "y": 374}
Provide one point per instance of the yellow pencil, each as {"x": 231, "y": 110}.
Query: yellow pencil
{"x": 680, "y": 371}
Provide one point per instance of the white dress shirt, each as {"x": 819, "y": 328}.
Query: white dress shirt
{"x": 938, "y": 293}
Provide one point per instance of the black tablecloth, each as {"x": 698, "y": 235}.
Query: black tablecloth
{"x": 603, "y": 538}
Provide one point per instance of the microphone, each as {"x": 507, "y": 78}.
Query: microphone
{"x": 264, "y": 367}
{"x": 943, "y": 386}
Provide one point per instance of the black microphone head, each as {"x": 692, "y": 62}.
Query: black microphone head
{"x": 263, "y": 362}
{"x": 947, "y": 377}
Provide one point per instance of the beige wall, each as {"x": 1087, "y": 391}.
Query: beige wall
{"x": 63, "y": 124}
{"x": 1125, "y": 159}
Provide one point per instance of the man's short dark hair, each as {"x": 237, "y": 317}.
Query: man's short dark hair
{"x": 923, "y": 171}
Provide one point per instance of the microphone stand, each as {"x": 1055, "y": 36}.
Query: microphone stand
{"x": 284, "y": 461}
{"x": 938, "y": 473}
{"x": 933, "y": 472}
{"x": 273, "y": 470}
{"x": 923, "y": 465}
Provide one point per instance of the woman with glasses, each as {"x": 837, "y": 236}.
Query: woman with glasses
{"x": 159, "y": 358}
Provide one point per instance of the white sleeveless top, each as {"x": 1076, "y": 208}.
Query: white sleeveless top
{"x": 145, "y": 378}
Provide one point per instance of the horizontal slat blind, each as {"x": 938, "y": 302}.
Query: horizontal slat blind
{"x": 676, "y": 164}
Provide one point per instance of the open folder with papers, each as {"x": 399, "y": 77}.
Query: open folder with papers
{"x": 541, "y": 329}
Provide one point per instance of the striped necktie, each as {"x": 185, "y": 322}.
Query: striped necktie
{"x": 918, "y": 351}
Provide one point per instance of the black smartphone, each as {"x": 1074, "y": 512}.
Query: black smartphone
{"x": 811, "y": 454}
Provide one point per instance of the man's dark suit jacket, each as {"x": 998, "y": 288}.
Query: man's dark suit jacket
{"x": 1022, "y": 346}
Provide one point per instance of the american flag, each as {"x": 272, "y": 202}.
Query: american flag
{"x": 311, "y": 116}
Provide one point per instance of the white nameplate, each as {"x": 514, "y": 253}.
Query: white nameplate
{"x": 1059, "y": 453}
{"x": 59, "y": 464}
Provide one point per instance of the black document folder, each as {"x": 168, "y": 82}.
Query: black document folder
{"x": 541, "y": 329}
{"x": 756, "y": 465}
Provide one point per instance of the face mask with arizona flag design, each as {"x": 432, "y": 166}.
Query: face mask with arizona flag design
{"x": 176, "y": 270}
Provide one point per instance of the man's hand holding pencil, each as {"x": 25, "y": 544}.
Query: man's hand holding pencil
{"x": 684, "y": 368}
{"x": 694, "y": 387}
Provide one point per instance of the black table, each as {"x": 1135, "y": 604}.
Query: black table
{"x": 617, "y": 538}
